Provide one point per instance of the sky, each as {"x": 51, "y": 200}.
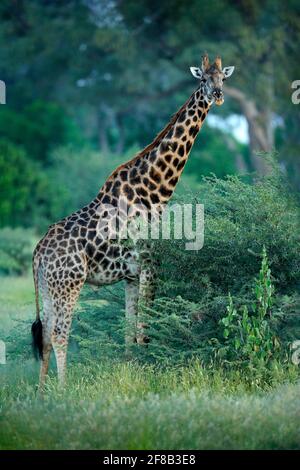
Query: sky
{"x": 234, "y": 124}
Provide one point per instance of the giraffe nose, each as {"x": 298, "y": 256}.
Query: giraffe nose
{"x": 217, "y": 93}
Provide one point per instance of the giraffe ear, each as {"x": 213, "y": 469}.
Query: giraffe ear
{"x": 228, "y": 71}
{"x": 196, "y": 72}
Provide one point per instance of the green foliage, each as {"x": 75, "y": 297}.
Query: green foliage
{"x": 87, "y": 170}
{"x": 15, "y": 250}
{"x": 40, "y": 127}
{"x": 240, "y": 218}
{"x": 20, "y": 180}
{"x": 37, "y": 196}
{"x": 248, "y": 336}
{"x": 176, "y": 331}
{"x": 245, "y": 338}
{"x": 99, "y": 325}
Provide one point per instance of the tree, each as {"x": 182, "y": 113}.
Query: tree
{"x": 19, "y": 182}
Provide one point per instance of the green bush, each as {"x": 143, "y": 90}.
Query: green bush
{"x": 20, "y": 180}
{"x": 16, "y": 247}
{"x": 240, "y": 218}
{"x": 99, "y": 323}
{"x": 248, "y": 338}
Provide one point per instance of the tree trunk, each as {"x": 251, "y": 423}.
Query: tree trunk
{"x": 240, "y": 163}
{"x": 102, "y": 130}
{"x": 121, "y": 135}
{"x": 259, "y": 128}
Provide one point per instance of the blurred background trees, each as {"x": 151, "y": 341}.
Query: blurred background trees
{"x": 97, "y": 77}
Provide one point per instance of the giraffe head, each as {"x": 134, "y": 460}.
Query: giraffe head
{"x": 211, "y": 78}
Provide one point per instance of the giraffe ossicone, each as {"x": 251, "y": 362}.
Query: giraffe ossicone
{"x": 75, "y": 251}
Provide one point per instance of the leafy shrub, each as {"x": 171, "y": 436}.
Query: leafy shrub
{"x": 99, "y": 323}
{"x": 240, "y": 218}
{"x": 15, "y": 250}
{"x": 20, "y": 180}
{"x": 248, "y": 336}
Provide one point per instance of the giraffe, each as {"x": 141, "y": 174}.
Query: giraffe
{"x": 73, "y": 251}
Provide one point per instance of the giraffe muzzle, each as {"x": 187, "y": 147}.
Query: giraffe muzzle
{"x": 218, "y": 97}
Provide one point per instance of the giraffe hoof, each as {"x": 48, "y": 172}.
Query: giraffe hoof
{"x": 142, "y": 339}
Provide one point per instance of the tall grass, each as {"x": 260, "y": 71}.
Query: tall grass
{"x": 129, "y": 406}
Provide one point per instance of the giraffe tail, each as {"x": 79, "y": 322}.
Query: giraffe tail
{"x": 37, "y": 327}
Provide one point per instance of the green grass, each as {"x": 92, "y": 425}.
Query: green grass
{"x": 126, "y": 405}
{"x": 16, "y": 300}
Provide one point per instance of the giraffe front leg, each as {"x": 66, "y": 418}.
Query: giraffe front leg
{"x": 60, "y": 351}
{"x": 146, "y": 297}
{"x": 131, "y": 299}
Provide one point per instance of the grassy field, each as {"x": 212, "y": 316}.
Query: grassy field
{"x": 126, "y": 405}
{"x": 16, "y": 300}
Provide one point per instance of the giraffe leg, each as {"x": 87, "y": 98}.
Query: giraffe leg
{"x": 148, "y": 265}
{"x": 44, "y": 366}
{"x": 131, "y": 296}
{"x": 60, "y": 351}
{"x": 65, "y": 304}
{"x": 147, "y": 285}
{"x": 64, "y": 297}
{"x": 146, "y": 297}
{"x": 47, "y": 321}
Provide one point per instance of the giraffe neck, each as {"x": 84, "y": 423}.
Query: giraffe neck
{"x": 151, "y": 177}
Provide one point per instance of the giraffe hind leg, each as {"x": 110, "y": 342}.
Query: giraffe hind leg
{"x": 44, "y": 366}
{"x": 64, "y": 302}
{"x": 59, "y": 294}
{"x": 46, "y": 347}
